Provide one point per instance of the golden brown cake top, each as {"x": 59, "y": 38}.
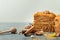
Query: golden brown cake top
{"x": 45, "y": 13}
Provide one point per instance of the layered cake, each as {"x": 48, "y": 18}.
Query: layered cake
{"x": 45, "y": 21}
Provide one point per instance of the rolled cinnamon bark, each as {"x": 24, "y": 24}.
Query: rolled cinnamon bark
{"x": 29, "y": 30}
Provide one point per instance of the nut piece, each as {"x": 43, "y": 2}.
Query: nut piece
{"x": 27, "y": 27}
{"x": 13, "y": 30}
{"x": 39, "y": 33}
{"x": 23, "y": 31}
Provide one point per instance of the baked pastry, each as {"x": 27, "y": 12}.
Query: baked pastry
{"x": 44, "y": 20}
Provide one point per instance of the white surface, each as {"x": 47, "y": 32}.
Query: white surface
{"x": 23, "y": 10}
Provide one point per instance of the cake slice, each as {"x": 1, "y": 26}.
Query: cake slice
{"x": 44, "y": 20}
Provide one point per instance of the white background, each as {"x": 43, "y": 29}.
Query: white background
{"x": 23, "y": 10}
